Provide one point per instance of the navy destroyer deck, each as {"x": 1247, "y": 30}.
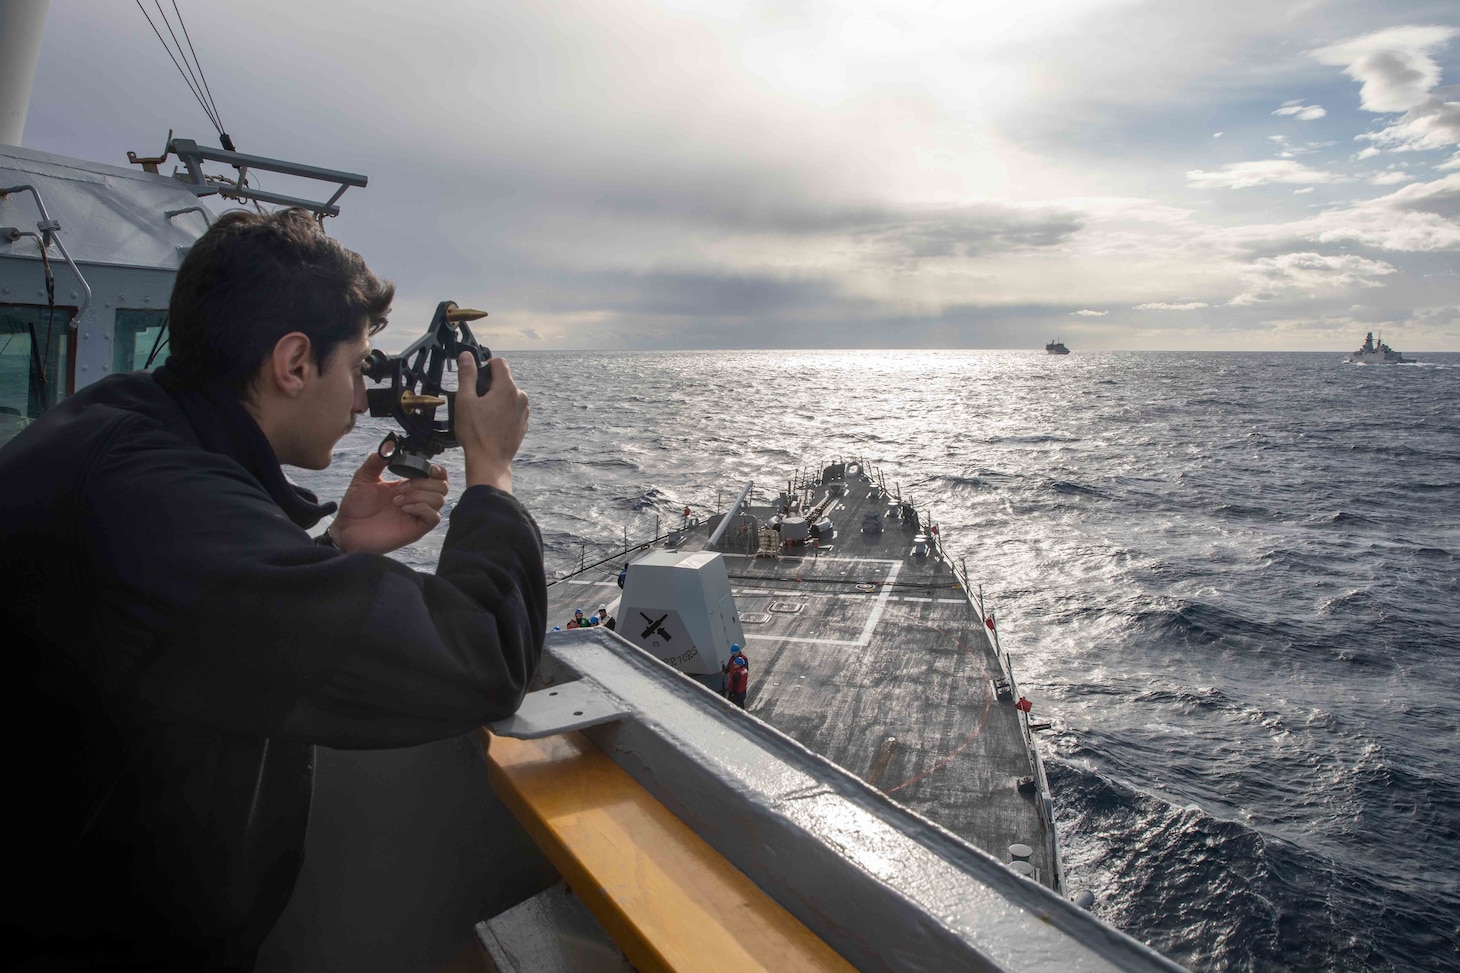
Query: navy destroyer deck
{"x": 866, "y": 647}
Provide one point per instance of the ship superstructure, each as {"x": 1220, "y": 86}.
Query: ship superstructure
{"x": 88, "y": 255}
{"x": 1376, "y": 353}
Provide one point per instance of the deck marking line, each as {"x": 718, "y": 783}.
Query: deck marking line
{"x": 876, "y": 614}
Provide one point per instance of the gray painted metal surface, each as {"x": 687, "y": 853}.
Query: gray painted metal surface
{"x": 678, "y": 606}
{"x": 569, "y": 706}
{"x": 110, "y": 215}
{"x": 126, "y": 230}
{"x": 887, "y": 888}
{"x": 730, "y": 514}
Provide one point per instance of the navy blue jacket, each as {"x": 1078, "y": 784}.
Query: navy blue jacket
{"x": 176, "y": 643}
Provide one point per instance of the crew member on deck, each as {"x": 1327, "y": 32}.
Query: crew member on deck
{"x": 738, "y": 680}
{"x": 736, "y": 653}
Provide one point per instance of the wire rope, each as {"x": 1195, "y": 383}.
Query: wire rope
{"x": 186, "y": 74}
{"x": 217, "y": 115}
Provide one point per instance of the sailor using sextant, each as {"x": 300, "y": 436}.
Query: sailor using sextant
{"x": 179, "y": 642}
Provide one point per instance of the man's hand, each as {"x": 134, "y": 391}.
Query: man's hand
{"x": 489, "y": 427}
{"x": 379, "y": 516}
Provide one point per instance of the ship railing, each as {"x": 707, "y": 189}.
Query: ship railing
{"x": 680, "y": 821}
{"x": 1041, "y": 781}
{"x": 990, "y": 628}
{"x": 629, "y": 546}
{"x": 632, "y": 543}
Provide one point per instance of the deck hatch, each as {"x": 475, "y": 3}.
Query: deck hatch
{"x": 787, "y": 607}
{"x": 754, "y": 618}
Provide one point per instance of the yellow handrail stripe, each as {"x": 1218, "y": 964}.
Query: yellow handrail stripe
{"x": 669, "y": 900}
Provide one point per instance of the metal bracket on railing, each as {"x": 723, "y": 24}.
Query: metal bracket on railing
{"x": 194, "y": 155}
{"x": 559, "y": 709}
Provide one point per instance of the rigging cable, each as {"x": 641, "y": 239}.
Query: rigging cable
{"x": 185, "y": 67}
{"x": 222, "y": 135}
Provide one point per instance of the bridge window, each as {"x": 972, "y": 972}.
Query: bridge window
{"x": 36, "y": 350}
{"x": 138, "y": 334}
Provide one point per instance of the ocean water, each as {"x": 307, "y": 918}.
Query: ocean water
{"x": 1231, "y": 583}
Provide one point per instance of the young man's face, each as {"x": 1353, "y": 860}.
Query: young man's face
{"x": 327, "y": 409}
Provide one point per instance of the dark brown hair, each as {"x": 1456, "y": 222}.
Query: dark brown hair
{"x": 253, "y": 278}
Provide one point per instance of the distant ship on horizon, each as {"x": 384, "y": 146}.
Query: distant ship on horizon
{"x": 1371, "y": 353}
{"x": 1056, "y": 348}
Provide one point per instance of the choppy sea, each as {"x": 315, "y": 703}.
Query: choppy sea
{"x": 1231, "y": 582}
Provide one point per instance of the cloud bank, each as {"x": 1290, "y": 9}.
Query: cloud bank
{"x": 665, "y": 174}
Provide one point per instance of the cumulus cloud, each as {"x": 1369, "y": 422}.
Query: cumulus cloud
{"x": 1397, "y": 73}
{"x": 1087, "y": 313}
{"x": 1423, "y": 217}
{"x": 1160, "y": 306}
{"x": 1303, "y": 113}
{"x": 1245, "y": 175}
{"x": 1300, "y": 192}
{"x": 1438, "y": 198}
{"x": 1433, "y": 124}
{"x": 1306, "y": 274}
{"x": 1393, "y": 66}
{"x": 1391, "y": 178}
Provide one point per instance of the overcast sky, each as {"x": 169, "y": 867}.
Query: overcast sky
{"x": 677, "y": 174}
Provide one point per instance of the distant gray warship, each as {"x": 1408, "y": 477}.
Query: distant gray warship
{"x": 1371, "y": 353}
